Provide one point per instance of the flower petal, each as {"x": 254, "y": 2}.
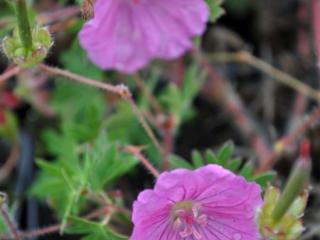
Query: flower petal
{"x": 126, "y": 35}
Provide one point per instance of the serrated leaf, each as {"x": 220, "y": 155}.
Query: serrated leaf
{"x": 50, "y": 168}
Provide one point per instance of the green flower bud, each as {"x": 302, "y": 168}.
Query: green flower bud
{"x": 298, "y": 179}
{"x": 280, "y": 215}
{"x": 18, "y": 52}
{"x": 289, "y": 227}
{"x": 15, "y": 50}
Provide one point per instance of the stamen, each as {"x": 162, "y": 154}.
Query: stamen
{"x": 202, "y": 220}
{"x": 188, "y": 219}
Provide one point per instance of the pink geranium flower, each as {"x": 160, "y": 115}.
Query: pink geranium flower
{"x": 210, "y": 203}
{"x": 127, "y": 34}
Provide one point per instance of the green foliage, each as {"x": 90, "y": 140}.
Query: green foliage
{"x": 216, "y": 10}
{"x": 290, "y": 226}
{"x": 93, "y": 230}
{"x": 178, "y": 100}
{"x": 223, "y": 158}
{"x": 86, "y": 158}
{"x": 92, "y": 168}
{"x": 75, "y": 60}
{"x": 7, "y": 17}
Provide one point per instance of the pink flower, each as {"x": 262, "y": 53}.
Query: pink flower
{"x": 127, "y": 34}
{"x": 210, "y": 203}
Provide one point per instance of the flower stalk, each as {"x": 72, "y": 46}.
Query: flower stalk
{"x": 296, "y": 183}
{"x": 24, "y": 25}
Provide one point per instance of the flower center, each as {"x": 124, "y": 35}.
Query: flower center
{"x": 187, "y": 218}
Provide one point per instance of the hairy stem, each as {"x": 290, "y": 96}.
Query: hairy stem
{"x": 7, "y": 219}
{"x": 8, "y": 74}
{"x": 136, "y": 151}
{"x": 24, "y": 25}
{"x": 276, "y": 74}
{"x": 120, "y": 90}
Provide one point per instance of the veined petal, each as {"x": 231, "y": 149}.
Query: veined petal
{"x": 125, "y": 35}
{"x": 209, "y": 203}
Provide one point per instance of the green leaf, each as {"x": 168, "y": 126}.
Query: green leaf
{"x": 234, "y": 164}
{"x": 93, "y": 230}
{"x": 225, "y": 153}
{"x": 215, "y": 9}
{"x": 211, "y": 157}
{"x": 247, "y": 171}
{"x": 197, "y": 159}
{"x": 50, "y": 168}
{"x": 178, "y": 162}
{"x": 264, "y": 179}
{"x": 76, "y": 60}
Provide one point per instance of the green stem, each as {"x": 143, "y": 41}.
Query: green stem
{"x": 24, "y": 25}
{"x": 297, "y": 181}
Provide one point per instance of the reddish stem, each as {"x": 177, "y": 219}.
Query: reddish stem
{"x": 136, "y": 151}
{"x": 221, "y": 91}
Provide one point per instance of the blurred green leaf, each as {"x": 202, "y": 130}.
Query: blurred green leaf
{"x": 225, "y": 159}
{"x": 75, "y": 59}
{"x": 197, "y": 159}
{"x": 216, "y": 10}
{"x": 265, "y": 178}
{"x": 247, "y": 171}
{"x": 225, "y": 154}
{"x": 93, "y": 230}
{"x": 178, "y": 162}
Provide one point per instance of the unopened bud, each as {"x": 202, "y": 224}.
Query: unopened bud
{"x": 298, "y": 179}
{"x": 14, "y": 49}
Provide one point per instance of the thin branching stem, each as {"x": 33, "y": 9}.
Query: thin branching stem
{"x": 286, "y": 141}
{"x": 11, "y": 161}
{"x": 278, "y": 75}
{"x": 136, "y": 151}
{"x": 120, "y": 90}
{"x": 221, "y": 91}
{"x": 144, "y": 88}
{"x": 9, "y": 73}
{"x": 7, "y": 218}
{"x": 55, "y": 228}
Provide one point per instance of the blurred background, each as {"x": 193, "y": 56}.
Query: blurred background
{"x": 238, "y": 101}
